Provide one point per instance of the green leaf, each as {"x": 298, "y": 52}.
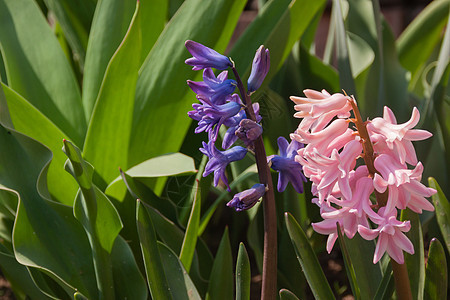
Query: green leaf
{"x": 129, "y": 283}
{"x": 415, "y": 263}
{"x": 442, "y": 207}
{"x": 419, "y": 39}
{"x": 436, "y": 273}
{"x": 243, "y": 274}
{"x": 164, "y": 165}
{"x": 180, "y": 284}
{"x": 221, "y": 279}
{"x": 40, "y": 223}
{"x": 156, "y": 278}
{"x": 162, "y": 101}
{"x": 110, "y": 124}
{"x": 342, "y": 51}
{"x": 349, "y": 269}
{"x": 368, "y": 274}
{"x": 278, "y": 27}
{"x": 75, "y": 18}
{"x": 154, "y": 18}
{"x": 30, "y": 121}
{"x": 18, "y": 276}
{"x": 37, "y": 68}
{"x": 387, "y": 287}
{"x": 308, "y": 260}
{"x": 287, "y": 295}
{"x": 98, "y": 216}
{"x": 109, "y": 26}
{"x": 191, "y": 235}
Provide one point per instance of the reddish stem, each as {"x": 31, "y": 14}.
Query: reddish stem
{"x": 269, "y": 275}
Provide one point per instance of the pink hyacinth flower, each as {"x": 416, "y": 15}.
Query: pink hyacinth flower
{"x": 325, "y": 171}
{"x": 388, "y": 136}
{"x": 405, "y": 189}
{"x": 391, "y": 237}
{"x": 319, "y": 108}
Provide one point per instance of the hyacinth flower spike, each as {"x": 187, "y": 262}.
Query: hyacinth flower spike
{"x": 286, "y": 166}
{"x": 204, "y": 57}
{"x": 218, "y": 108}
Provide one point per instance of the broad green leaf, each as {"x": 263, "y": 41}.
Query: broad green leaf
{"x": 361, "y": 55}
{"x": 349, "y": 269}
{"x": 278, "y": 27}
{"x": 110, "y": 125}
{"x": 180, "y": 284}
{"x": 243, "y": 274}
{"x": 37, "y": 68}
{"x": 191, "y": 235}
{"x": 50, "y": 285}
{"x": 368, "y": 275}
{"x": 105, "y": 223}
{"x": 18, "y": 276}
{"x": 75, "y": 18}
{"x": 140, "y": 191}
{"x": 442, "y": 207}
{"x": 98, "y": 216}
{"x": 156, "y": 278}
{"x": 164, "y": 165}
{"x": 308, "y": 260}
{"x": 172, "y": 236}
{"x": 415, "y": 263}
{"x": 30, "y": 121}
{"x": 221, "y": 279}
{"x": 109, "y": 26}
{"x": 287, "y": 295}
{"x": 40, "y": 223}
{"x": 418, "y": 40}
{"x": 161, "y": 94}
{"x": 154, "y": 18}
{"x": 342, "y": 51}
{"x": 128, "y": 280}
{"x": 436, "y": 272}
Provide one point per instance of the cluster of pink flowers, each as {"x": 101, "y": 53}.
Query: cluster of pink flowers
{"x": 348, "y": 160}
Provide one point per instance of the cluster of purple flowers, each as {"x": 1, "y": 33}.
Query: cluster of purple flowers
{"x": 219, "y": 105}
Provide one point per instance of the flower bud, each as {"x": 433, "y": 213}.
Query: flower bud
{"x": 248, "y": 198}
{"x": 260, "y": 68}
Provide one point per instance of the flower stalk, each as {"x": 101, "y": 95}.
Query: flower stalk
{"x": 269, "y": 275}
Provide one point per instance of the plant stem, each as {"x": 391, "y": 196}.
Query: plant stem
{"x": 269, "y": 275}
{"x": 401, "y": 280}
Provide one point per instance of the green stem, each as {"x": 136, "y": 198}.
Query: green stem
{"x": 269, "y": 275}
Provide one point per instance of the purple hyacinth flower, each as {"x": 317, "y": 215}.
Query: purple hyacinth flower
{"x": 260, "y": 68}
{"x": 286, "y": 166}
{"x": 219, "y": 160}
{"x": 248, "y": 131}
{"x": 233, "y": 124}
{"x": 248, "y": 198}
{"x": 215, "y": 88}
{"x": 204, "y": 57}
{"x": 211, "y": 116}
